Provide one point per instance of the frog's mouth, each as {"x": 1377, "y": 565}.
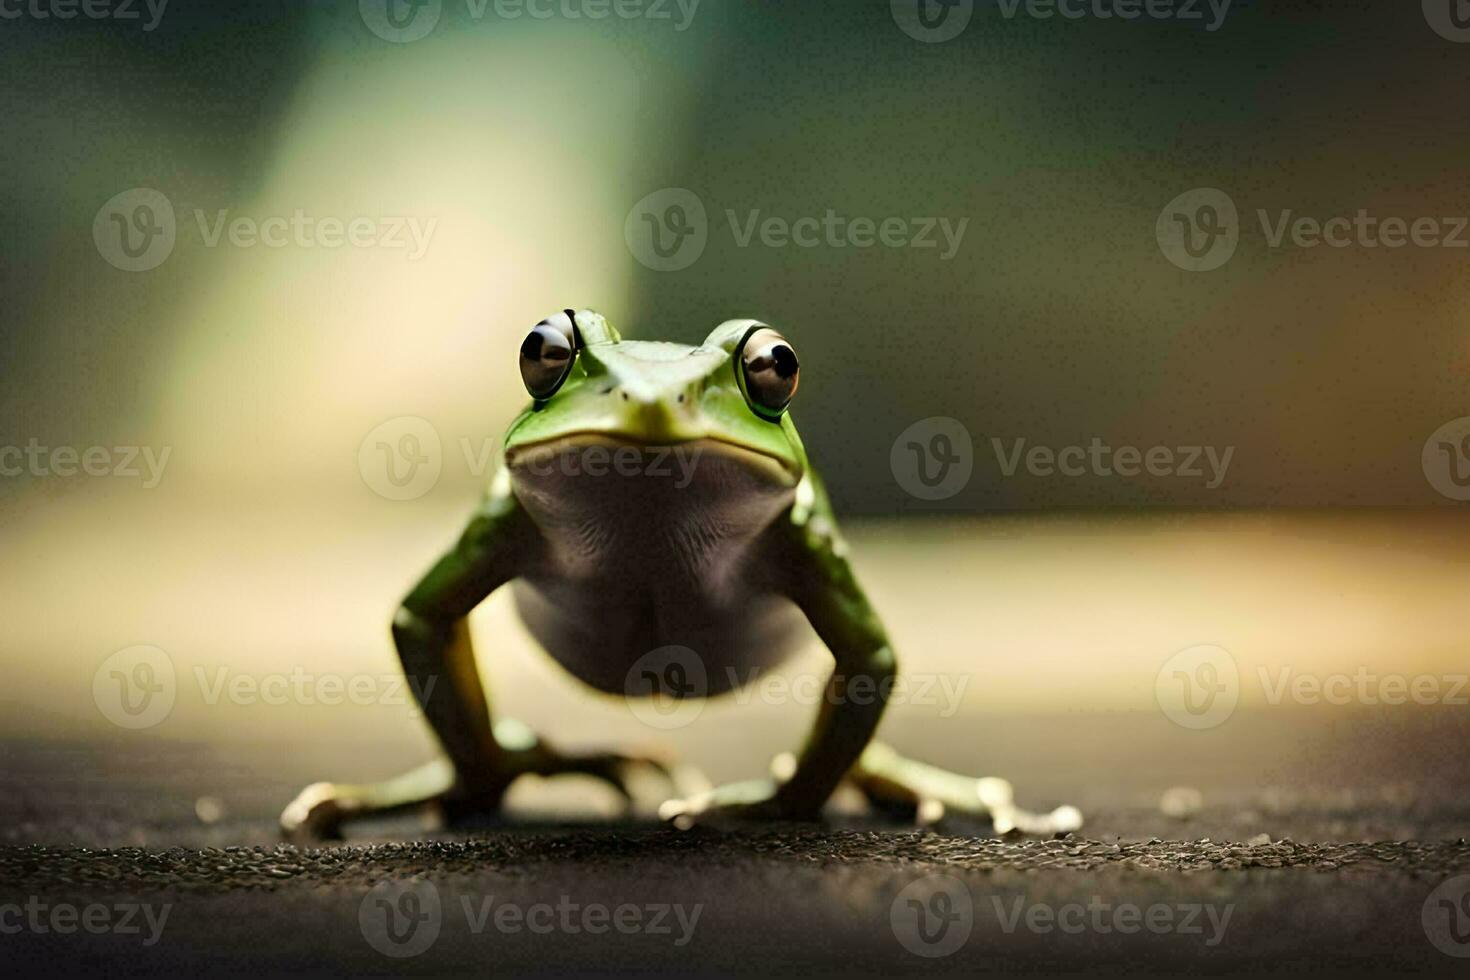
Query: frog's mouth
{"x": 607, "y": 454}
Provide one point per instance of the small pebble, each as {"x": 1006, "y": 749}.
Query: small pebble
{"x": 1181, "y": 802}
{"x": 209, "y": 809}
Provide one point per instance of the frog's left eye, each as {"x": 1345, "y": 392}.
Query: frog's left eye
{"x": 769, "y": 372}
{"x": 547, "y": 354}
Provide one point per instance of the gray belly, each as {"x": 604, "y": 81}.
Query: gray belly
{"x": 633, "y": 565}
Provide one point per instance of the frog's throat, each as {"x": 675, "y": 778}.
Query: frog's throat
{"x": 782, "y": 472}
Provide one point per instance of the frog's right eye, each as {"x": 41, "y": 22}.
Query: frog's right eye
{"x": 547, "y": 354}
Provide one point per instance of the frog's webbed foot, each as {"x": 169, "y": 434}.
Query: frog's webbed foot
{"x": 321, "y": 810}
{"x": 888, "y": 779}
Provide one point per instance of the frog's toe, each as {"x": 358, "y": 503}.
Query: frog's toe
{"x": 316, "y": 814}
{"x": 889, "y": 781}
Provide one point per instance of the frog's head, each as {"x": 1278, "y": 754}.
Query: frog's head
{"x": 728, "y": 396}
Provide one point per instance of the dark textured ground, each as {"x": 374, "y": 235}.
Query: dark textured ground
{"x": 1358, "y": 839}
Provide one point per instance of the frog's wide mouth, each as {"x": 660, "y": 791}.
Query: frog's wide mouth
{"x": 546, "y": 454}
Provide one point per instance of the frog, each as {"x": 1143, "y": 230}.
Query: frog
{"x": 730, "y": 559}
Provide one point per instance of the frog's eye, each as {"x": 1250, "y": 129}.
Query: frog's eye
{"x": 769, "y": 372}
{"x": 547, "y": 354}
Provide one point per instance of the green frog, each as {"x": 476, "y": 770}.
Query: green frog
{"x": 656, "y": 497}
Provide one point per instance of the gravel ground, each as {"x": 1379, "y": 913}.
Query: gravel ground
{"x": 1295, "y": 862}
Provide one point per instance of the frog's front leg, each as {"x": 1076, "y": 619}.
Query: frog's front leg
{"x": 822, "y": 583}
{"x": 818, "y": 578}
{"x": 431, "y": 633}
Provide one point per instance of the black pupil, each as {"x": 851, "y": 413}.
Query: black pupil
{"x": 785, "y": 359}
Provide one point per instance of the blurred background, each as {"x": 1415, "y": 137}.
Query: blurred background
{"x": 243, "y": 246}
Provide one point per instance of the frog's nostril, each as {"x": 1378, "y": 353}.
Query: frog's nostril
{"x": 625, "y": 396}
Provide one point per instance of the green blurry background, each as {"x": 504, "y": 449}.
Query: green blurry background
{"x": 528, "y": 141}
